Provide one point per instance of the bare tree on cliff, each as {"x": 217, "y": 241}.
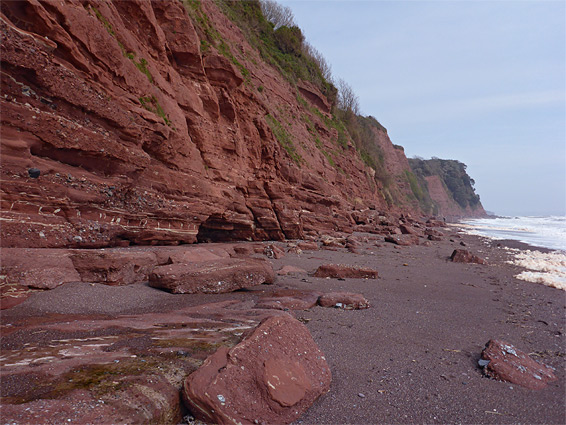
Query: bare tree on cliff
{"x": 347, "y": 100}
{"x": 323, "y": 65}
{"x": 279, "y": 16}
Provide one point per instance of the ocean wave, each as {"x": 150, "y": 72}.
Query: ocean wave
{"x": 546, "y": 232}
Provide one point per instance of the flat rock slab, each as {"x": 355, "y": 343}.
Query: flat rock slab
{"x": 504, "y": 362}
{"x": 289, "y": 299}
{"x": 102, "y": 370}
{"x": 273, "y": 376}
{"x": 288, "y": 269}
{"x": 37, "y": 268}
{"x": 342, "y": 271}
{"x": 344, "y": 300}
{"x": 464, "y": 256}
{"x": 212, "y": 277}
{"x": 114, "y": 267}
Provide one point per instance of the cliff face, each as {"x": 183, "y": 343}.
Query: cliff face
{"x": 449, "y": 186}
{"x": 157, "y": 122}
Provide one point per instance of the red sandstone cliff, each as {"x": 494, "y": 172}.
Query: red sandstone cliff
{"x": 143, "y": 133}
{"x": 445, "y": 203}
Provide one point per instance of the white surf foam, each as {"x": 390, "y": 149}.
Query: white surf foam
{"x": 548, "y": 268}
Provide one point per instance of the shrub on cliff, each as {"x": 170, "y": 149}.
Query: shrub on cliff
{"x": 289, "y": 39}
{"x": 280, "y": 44}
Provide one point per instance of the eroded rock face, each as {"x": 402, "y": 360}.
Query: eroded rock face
{"x": 342, "y": 271}
{"x": 272, "y": 376}
{"x": 504, "y": 362}
{"x": 465, "y": 256}
{"x": 134, "y": 135}
{"x": 212, "y": 277}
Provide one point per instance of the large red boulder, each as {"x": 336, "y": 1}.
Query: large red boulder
{"x": 504, "y": 362}
{"x": 212, "y": 277}
{"x": 272, "y": 376}
{"x": 464, "y": 256}
{"x": 343, "y": 272}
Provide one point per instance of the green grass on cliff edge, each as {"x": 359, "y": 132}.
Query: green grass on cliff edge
{"x": 284, "y": 139}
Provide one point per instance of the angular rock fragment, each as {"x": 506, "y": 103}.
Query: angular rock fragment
{"x": 436, "y": 223}
{"x": 342, "y": 271}
{"x": 344, "y": 300}
{"x": 212, "y": 277}
{"x": 464, "y": 256}
{"x": 273, "y": 252}
{"x": 403, "y": 240}
{"x": 409, "y": 230}
{"x": 504, "y": 362}
{"x": 272, "y": 376}
{"x": 308, "y": 246}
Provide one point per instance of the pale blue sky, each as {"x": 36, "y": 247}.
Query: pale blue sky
{"x": 478, "y": 81}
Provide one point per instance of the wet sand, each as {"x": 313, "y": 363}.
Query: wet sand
{"x": 411, "y": 357}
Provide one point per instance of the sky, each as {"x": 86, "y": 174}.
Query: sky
{"x": 480, "y": 81}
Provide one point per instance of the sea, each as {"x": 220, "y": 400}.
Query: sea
{"x": 546, "y": 267}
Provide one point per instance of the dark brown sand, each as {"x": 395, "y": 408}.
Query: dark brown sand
{"x": 410, "y": 358}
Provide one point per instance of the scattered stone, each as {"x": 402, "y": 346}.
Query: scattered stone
{"x": 308, "y": 246}
{"x": 403, "y": 240}
{"x": 272, "y": 376}
{"x": 342, "y": 271}
{"x": 435, "y": 223}
{"x": 504, "y": 362}
{"x": 344, "y": 300}
{"x": 289, "y": 299}
{"x": 434, "y": 232}
{"x": 295, "y": 250}
{"x": 434, "y": 238}
{"x": 212, "y": 277}
{"x": 332, "y": 242}
{"x": 273, "y": 252}
{"x": 34, "y": 173}
{"x": 409, "y": 230}
{"x": 464, "y": 256}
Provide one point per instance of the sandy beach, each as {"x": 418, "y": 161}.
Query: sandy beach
{"x": 412, "y": 356}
